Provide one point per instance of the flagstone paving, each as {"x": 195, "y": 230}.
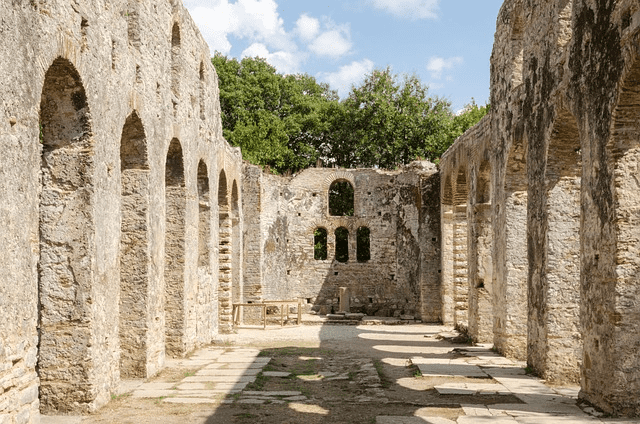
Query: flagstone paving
{"x": 386, "y": 375}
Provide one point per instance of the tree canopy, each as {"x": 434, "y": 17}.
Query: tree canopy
{"x": 288, "y": 122}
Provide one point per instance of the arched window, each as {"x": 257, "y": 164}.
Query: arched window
{"x": 342, "y": 244}
{"x": 341, "y": 198}
{"x": 363, "y": 253}
{"x": 320, "y": 244}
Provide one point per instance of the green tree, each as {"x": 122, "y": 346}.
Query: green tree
{"x": 276, "y": 120}
{"x": 467, "y": 118}
{"x": 289, "y": 122}
{"x": 388, "y": 121}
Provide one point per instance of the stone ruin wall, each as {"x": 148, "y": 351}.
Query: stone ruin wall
{"x": 467, "y": 266}
{"x": 401, "y": 210}
{"x": 562, "y": 149}
{"x": 110, "y": 225}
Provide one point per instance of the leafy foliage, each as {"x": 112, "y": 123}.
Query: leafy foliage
{"x": 320, "y": 244}
{"x": 289, "y": 122}
{"x": 341, "y": 198}
{"x": 276, "y": 120}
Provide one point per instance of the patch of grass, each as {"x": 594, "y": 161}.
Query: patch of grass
{"x": 295, "y": 351}
{"x": 258, "y": 384}
{"x": 122, "y": 396}
{"x": 352, "y": 375}
{"x": 189, "y": 374}
{"x": 159, "y": 400}
{"x": 530, "y": 371}
{"x": 384, "y": 379}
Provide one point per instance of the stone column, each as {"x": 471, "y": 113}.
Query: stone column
{"x": 447, "y": 265}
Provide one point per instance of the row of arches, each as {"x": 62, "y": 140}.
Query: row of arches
{"x": 511, "y": 252}
{"x": 341, "y": 243}
{"x": 66, "y": 271}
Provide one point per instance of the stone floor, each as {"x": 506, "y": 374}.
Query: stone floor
{"x": 388, "y": 374}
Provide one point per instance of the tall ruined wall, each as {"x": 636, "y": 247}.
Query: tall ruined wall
{"x": 564, "y": 143}
{"x": 466, "y": 197}
{"x": 398, "y": 209}
{"x": 79, "y": 80}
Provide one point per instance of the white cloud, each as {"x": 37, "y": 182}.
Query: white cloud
{"x": 347, "y": 75}
{"x": 253, "y": 20}
{"x": 437, "y": 65}
{"x": 333, "y": 43}
{"x": 413, "y": 9}
{"x": 283, "y": 61}
{"x": 307, "y": 27}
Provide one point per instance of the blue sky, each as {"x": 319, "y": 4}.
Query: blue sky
{"x": 447, "y": 43}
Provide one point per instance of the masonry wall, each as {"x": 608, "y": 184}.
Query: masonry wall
{"x": 563, "y": 154}
{"x": 65, "y": 195}
{"x": 397, "y": 207}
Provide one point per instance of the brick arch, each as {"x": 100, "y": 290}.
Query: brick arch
{"x": 336, "y": 176}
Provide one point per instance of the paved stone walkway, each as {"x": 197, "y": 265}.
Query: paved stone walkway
{"x": 222, "y": 372}
{"x": 220, "y": 375}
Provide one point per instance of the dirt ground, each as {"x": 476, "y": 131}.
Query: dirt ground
{"x": 334, "y": 373}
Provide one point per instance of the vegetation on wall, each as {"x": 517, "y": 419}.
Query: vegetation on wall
{"x": 289, "y": 122}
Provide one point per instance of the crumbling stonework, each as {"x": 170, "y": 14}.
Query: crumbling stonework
{"x": 562, "y": 157}
{"x": 130, "y": 226}
{"x": 110, "y": 129}
{"x": 401, "y": 211}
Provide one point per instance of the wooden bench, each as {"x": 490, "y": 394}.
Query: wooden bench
{"x": 284, "y": 304}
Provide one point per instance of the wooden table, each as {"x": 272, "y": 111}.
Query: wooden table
{"x": 284, "y": 304}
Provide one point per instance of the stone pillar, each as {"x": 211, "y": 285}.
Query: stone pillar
{"x": 344, "y": 300}
{"x": 510, "y": 278}
{"x": 460, "y": 268}
{"x": 447, "y": 265}
{"x": 481, "y": 275}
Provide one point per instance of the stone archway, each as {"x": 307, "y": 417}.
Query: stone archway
{"x": 66, "y": 360}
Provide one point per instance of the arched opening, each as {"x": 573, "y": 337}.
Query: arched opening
{"x": 517, "y": 47}
{"x": 342, "y": 245}
{"x": 460, "y": 252}
{"x": 134, "y": 250}
{"x": 175, "y": 66}
{"x": 320, "y": 244}
{"x": 202, "y": 92}
{"x": 555, "y": 347}
{"x": 510, "y": 256}
{"x": 65, "y": 268}
{"x": 205, "y": 327}
{"x": 564, "y": 31}
{"x": 611, "y": 260}
{"x": 236, "y": 269}
{"x": 363, "y": 244}
{"x": 175, "y": 211}
{"x": 481, "y": 259}
{"x": 225, "y": 252}
{"x": 204, "y": 221}
{"x": 446, "y": 247}
{"x": 341, "y": 200}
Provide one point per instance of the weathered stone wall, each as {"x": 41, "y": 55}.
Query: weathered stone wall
{"x": 467, "y": 237}
{"x": 564, "y": 202}
{"x": 400, "y": 209}
{"x": 92, "y": 95}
